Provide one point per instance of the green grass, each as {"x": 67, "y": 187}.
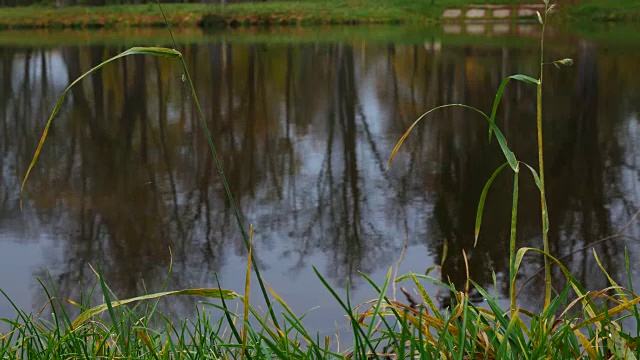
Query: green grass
{"x": 572, "y": 324}
{"x": 273, "y": 13}
{"x": 604, "y": 11}
{"x": 301, "y": 12}
{"x": 414, "y": 326}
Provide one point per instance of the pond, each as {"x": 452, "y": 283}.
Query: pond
{"x": 305, "y": 120}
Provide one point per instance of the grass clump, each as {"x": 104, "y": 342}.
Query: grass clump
{"x": 382, "y": 328}
{"x": 573, "y": 323}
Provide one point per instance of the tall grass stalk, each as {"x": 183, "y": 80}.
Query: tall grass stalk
{"x": 543, "y": 202}
{"x": 515, "y": 166}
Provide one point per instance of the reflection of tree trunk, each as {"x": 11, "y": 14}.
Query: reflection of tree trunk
{"x": 98, "y": 88}
{"x": 26, "y": 79}
{"x": 288, "y": 152}
{"x": 248, "y": 145}
{"x": 81, "y": 107}
{"x": 595, "y": 222}
{"x": 71, "y": 56}
{"x": 346, "y": 82}
{"x": 580, "y": 157}
{"x": 162, "y": 121}
{"x": 346, "y": 104}
{"x": 134, "y": 110}
{"x": 44, "y": 78}
{"x": 228, "y": 61}
{"x": 287, "y": 96}
{"x": 6, "y": 64}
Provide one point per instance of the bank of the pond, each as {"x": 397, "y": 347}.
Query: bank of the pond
{"x": 603, "y": 11}
{"x": 301, "y": 12}
{"x": 215, "y": 15}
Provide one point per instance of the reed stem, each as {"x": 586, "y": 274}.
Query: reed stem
{"x": 543, "y": 206}
{"x": 512, "y": 244}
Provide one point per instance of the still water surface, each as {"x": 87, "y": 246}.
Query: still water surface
{"x": 304, "y": 130}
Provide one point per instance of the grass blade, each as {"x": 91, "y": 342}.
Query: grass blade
{"x": 214, "y": 293}
{"x": 348, "y": 310}
{"x": 483, "y": 197}
{"x": 511, "y": 158}
{"x": 155, "y": 51}
{"x": 545, "y": 213}
{"x": 496, "y": 101}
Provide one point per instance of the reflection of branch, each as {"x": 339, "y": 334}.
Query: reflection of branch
{"x": 372, "y": 143}
{"x": 618, "y": 235}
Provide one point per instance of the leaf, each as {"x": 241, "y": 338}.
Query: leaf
{"x": 619, "y": 347}
{"x": 155, "y": 51}
{"x": 604, "y": 271}
{"x": 498, "y": 97}
{"x": 483, "y": 197}
{"x": 525, "y": 78}
{"x": 611, "y": 312}
{"x": 214, "y": 293}
{"x": 586, "y": 344}
{"x": 545, "y": 213}
{"x": 511, "y": 158}
{"x": 147, "y": 342}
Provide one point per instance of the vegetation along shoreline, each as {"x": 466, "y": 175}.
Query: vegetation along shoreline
{"x": 301, "y": 12}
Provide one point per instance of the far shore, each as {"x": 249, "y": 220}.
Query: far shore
{"x": 275, "y": 13}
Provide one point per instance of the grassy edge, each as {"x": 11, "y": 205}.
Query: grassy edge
{"x": 301, "y": 12}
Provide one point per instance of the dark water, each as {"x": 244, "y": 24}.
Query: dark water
{"x": 304, "y": 131}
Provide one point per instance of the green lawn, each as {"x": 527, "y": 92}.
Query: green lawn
{"x": 603, "y": 11}
{"x": 281, "y": 13}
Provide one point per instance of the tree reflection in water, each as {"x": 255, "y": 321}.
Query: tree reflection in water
{"x": 304, "y": 131}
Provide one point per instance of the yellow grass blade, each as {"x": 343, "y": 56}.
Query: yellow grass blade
{"x": 214, "y": 293}
{"x": 511, "y": 158}
{"x": 155, "y": 51}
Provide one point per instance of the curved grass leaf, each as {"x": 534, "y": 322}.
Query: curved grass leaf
{"x": 626, "y": 305}
{"x": 586, "y": 344}
{"x": 155, "y": 51}
{"x": 503, "y": 84}
{"x": 483, "y": 197}
{"x": 545, "y": 213}
{"x": 511, "y": 158}
{"x": 214, "y": 293}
